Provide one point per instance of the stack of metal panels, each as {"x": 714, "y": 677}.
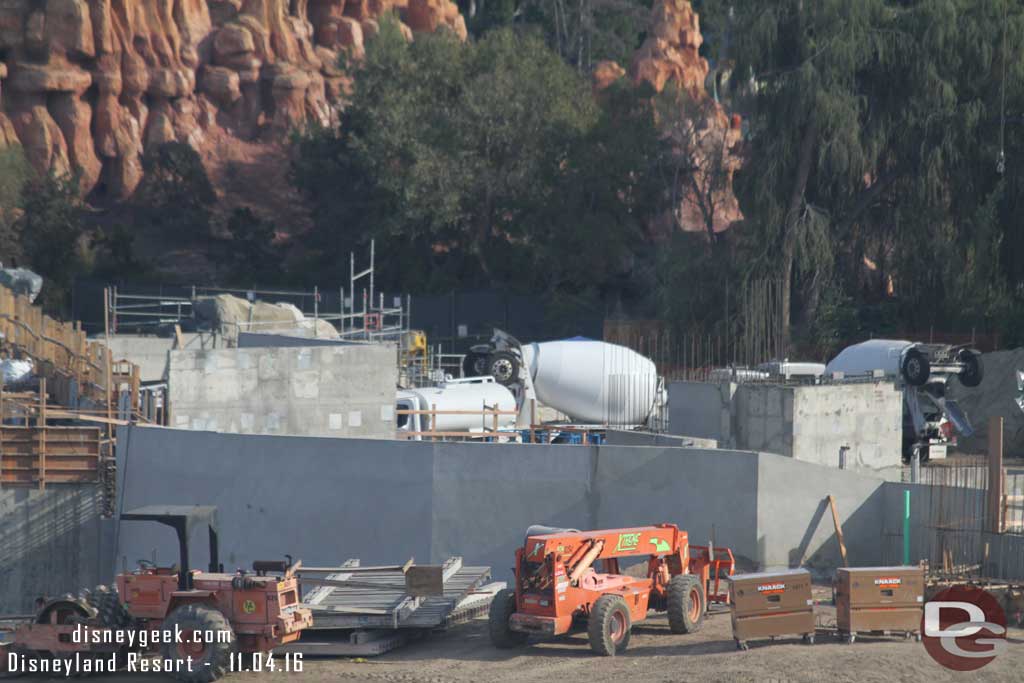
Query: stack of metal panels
{"x": 371, "y": 611}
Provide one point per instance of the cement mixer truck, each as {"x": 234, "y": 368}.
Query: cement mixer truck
{"x": 931, "y": 421}
{"x": 592, "y": 382}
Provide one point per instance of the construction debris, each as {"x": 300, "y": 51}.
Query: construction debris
{"x": 365, "y": 611}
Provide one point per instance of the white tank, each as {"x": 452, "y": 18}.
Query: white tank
{"x": 594, "y": 382}
{"x": 462, "y": 395}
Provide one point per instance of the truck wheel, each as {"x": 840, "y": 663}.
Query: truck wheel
{"x": 686, "y": 604}
{"x": 973, "y": 371}
{"x": 915, "y": 368}
{"x": 503, "y": 367}
{"x": 609, "y": 625}
{"x": 474, "y": 364}
{"x": 502, "y": 607}
{"x": 202, "y": 628}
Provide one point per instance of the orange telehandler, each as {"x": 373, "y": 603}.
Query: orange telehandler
{"x": 558, "y": 589}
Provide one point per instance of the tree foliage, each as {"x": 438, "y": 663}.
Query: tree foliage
{"x": 52, "y": 235}
{"x": 481, "y": 163}
{"x": 176, "y": 195}
{"x": 874, "y": 139}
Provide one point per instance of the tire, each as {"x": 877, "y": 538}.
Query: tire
{"x": 474, "y": 364}
{"x": 915, "y": 368}
{"x": 107, "y": 604}
{"x": 503, "y": 366}
{"x": 686, "y": 604}
{"x": 210, "y": 660}
{"x": 609, "y": 626}
{"x": 502, "y": 608}
{"x": 111, "y": 614}
{"x": 973, "y": 371}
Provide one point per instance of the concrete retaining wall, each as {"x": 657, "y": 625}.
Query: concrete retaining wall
{"x": 625, "y": 437}
{"x": 808, "y": 423}
{"x": 51, "y": 542}
{"x": 150, "y": 353}
{"x": 321, "y": 391}
{"x": 948, "y": 522}
{"x": 701, "y": 409}
{"x": 327, "y": 500}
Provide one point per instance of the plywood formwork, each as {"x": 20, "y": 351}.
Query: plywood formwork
{"x": 39, "y": 455}
{"x": 75, "y": 367}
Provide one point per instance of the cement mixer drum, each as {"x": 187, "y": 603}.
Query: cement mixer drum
{"x": 594, "y": 382}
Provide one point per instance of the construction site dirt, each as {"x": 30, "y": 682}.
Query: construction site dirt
{"x": 655, "y": 654}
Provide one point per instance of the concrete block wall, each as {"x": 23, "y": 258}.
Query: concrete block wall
{"x": 345, "y": 391}
{"x": 808, "y": 423}
{"x": 325, "y": 500}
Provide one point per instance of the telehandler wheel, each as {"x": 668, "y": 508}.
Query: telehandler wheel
{"x": 203, "y": 628}
{"x": 502, "y": 607}
{"x": 609, "y": 626}
{"x": 686, "y": 604}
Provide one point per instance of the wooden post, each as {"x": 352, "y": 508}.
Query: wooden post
{"x": 107, "y": 360}
{"x": 533, "y": 420}
{"x": 41, "y": 426}
{"x": 995, "y": 475}
{"x": 433, "y": 420}
{"x": 839, "y": 530}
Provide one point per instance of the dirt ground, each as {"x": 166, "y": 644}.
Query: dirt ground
{"x": 465, "y": 654}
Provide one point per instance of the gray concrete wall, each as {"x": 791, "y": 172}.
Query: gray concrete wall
{"x": 626, "y": 437}
{"x": 950, "y": 521}
{"x": 701, "y": 409}
{"x": 867, "y": 418}
{"x": 703, "y": 491}
{"x": 329, "y": 499}
{"x": 51, "y": 542}
{"x": 252, "y": 340}
{"x": 808, "y": 423}
{"x": 794, "y": 519}
{"x": 320, "y": 391}
{"x": 150, "y": 353}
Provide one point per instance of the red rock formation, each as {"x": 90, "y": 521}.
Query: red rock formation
{"x": 87, "y": 85}
{"x": 670, "y": 55}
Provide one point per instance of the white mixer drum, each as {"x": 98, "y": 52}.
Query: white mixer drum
{"x": 593, "y": 382}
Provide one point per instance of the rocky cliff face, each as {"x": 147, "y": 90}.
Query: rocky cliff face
{"x": 707, "y": 136}
{"x": 87, "y": 85}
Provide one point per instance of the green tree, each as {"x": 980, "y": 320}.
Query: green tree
{"x": 53, "y": 236}
{"x": 176, "y": 194}
{"x": 14, "y": 171}
{"x": 473, "y": 164}
{"x": 254, "y": 257}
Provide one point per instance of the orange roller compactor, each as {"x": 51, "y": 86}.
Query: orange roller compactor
{"x": 569, "y": 580}
{"x": 205, "y": 617}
